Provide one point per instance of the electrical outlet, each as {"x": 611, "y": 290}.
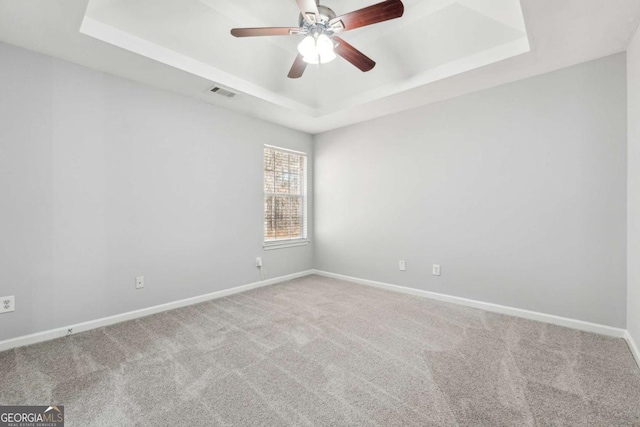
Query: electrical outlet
{"x": 7, "y": 304}
{"x": 436, "y": 269}
{"x": 139, "y": 282}
{"x": 402, "y": 265}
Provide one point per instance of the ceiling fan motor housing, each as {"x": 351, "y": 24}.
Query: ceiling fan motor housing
{"x": 326, "y": 15}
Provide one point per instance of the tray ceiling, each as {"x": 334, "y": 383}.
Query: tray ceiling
{"x": 434, "y": 39}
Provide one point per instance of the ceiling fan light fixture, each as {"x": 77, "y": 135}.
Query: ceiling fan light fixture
{"x": 320, "y": 25}
{"x": 317, "y": 49}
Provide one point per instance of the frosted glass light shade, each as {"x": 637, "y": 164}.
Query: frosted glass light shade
{"x": 324, "y": 45}
{"x": 307, "y": 46}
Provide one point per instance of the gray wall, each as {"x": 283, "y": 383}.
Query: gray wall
{"x": 633, "y": 238}
{"x": 519, "y": 192}
{"x": 103, "y": 179}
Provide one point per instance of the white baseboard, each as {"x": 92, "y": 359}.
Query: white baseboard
{"x": 633, "y": 347}
{"x": 106, "y": 321}
{"x": 495, "y": 308}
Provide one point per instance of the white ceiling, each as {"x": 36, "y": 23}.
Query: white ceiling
{"x": 439, "y": 49}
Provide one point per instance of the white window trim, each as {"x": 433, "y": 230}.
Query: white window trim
{"x": 284, "y": 243}
{"x": 285, "y": 150}
{"x": 290, "y": 243}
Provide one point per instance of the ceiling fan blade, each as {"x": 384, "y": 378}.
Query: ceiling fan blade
{"x": 353, "y": 55}
{"x": 298, "y": 68}
{"x": 309, "y": 10}
{"x": 380, "y": 12}
{"x": 266, "y": 31}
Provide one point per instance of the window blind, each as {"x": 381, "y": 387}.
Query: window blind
{"x": 285, "y": 195}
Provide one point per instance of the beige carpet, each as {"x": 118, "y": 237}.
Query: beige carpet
{"x": 317, "y": 351}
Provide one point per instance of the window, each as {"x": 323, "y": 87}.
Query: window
{"x": 285, "y": 197}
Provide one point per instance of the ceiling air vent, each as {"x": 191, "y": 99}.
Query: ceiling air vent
{"x": 221, "y": 91}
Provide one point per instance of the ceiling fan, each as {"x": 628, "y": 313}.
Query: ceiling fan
{"x": 320, "y": 25}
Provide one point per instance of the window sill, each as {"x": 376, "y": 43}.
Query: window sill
{"x": 269, "y": 246}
